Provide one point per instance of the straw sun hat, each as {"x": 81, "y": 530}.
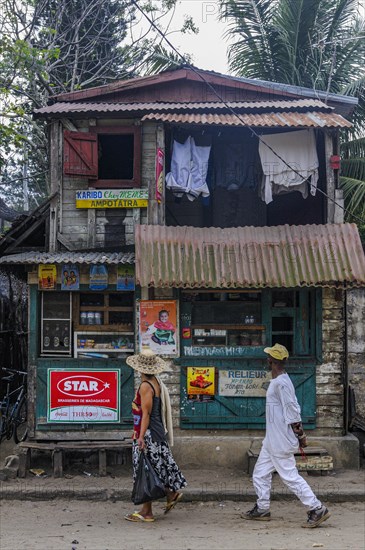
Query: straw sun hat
{"x": 148, "y": 362}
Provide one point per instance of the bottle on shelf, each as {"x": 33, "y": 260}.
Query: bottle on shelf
{"x": 56, "y": 338}
{"x": 90, "y": 318}
{"x": 66, "y": 337}
{"x": 46, "y": 338}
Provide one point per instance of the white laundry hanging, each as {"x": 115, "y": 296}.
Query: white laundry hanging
{"x": 189, "y": 168}
{"x": 298, "y": 149}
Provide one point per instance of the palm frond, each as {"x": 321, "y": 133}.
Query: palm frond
{"x": 354, "y": 148}
{"x": 162, "y": 59}
{"x": 354, "y": 168}
{"x": 249, "y": 24}
{"x": 354, "y": 194}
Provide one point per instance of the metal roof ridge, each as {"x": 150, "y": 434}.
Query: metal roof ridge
{"x": 290, "y": 88}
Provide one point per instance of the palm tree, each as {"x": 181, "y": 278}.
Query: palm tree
{"x": 353, "y": 178}
{"x": 318, "y": 44}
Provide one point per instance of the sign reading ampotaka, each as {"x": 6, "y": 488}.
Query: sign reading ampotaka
{"x": 243, "y": 383}
{"x": 112, "y": 198}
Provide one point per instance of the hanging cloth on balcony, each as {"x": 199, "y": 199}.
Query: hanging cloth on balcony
{"x": 189, "y": 168}
{"x": 298, "y": 149}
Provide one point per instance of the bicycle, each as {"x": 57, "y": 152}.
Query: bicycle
{"x": 13, "y": 408}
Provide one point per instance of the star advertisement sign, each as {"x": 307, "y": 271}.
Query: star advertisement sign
{"x": 83, "y": 396}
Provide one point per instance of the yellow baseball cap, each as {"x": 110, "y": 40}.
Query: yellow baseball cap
{"x": 277, "y": 352}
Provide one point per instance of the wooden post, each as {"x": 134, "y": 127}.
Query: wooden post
{"x": 57, "y": 459}
{"x": 55, "y": 176}
{"x": 330, "y": 177}
{"x": 160, "y": 140}
{"x": 33, "y": 331}
{"x": 340, "y": 202}
{"x": 24, "y": 461}
{"x": 156, "y": 211}
{"x": 91, "y": 228}
{"x": 102, "y": 462}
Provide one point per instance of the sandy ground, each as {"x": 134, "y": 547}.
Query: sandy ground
{"x": 79, "y": 525}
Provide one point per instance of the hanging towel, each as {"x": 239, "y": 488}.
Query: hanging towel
{"x": 199, "y": 169}
{"x": 166, "y": 412}
{"x": 189, "y": 168}
{"x": 178, "y": 180}
{"x": 299, "y": 150}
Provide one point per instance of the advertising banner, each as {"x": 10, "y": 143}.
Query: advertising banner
{"x": 112, "y": 198}
{"x": 125, "y": 277}
{"x": 70, "y": 277}
{"x": 47, "y": 276}
{"x": 243, "y": 383}
{"x": 160, "y": 157}
{"x": 98, "y": 277}
{"x": 83, "y": 396}
{"x": 201, "y": 381}
{"x": 157, "y": 326}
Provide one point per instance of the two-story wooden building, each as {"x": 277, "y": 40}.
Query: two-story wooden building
{"x": 197, "y": 214}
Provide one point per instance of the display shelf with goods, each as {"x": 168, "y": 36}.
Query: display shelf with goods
{"x": 104, "y": 311}
{"x": 225, "y": 319}
{"x": 102, "y": 344}
{"x": 226, "y": 335}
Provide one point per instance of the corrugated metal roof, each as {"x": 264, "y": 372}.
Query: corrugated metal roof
{"x": 69, "y": 257}
{"x": 290, "y": 88}
{"x": 184, "y": 72}
{"x": 108, "y": 107}
{"x": 272, "y": 120}
{"x": 244, "y": 257}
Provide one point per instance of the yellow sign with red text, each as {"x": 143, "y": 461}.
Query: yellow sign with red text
{"x": 201, "y": 381}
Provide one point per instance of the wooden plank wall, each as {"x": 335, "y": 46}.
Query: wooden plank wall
{"x": 110, "y": 226}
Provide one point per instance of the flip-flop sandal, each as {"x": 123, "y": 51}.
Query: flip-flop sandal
{"x": 138, "y": 518}
{"x": 170, "y": 505}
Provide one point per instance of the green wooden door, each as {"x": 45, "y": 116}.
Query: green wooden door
{"x": 245, "y": 412}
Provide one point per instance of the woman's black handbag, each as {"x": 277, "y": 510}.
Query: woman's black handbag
{"x": 147, "y": 486}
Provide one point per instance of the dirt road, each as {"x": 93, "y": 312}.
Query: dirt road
{"x": 81, "y": 525}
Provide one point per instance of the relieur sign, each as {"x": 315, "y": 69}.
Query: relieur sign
{"x": 112, "y": 198}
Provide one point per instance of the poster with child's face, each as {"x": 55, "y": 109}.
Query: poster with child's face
{"x": 158, "y": 326}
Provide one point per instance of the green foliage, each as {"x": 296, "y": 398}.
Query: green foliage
{"x": 48, "y": 47}
{"x": 317, "y": 44}
{"x": 162, "y": 60}
{"x": 352, "y": 178}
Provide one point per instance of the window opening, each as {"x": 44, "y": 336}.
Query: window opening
{"x": 116, "y": 156}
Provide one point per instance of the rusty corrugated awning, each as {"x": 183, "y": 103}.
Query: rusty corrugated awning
{"x": 249, "y": 257}
{"x": 69, "y": 257}
{"x": 65, "y": 108}
{"x": 291, "y": 119}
